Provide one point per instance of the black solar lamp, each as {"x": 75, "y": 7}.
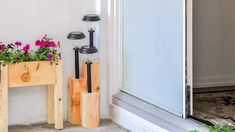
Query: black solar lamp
{"x": 88, "y": 50}
{"x": 75, "y": 36}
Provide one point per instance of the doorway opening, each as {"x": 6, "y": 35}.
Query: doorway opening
{"x": 214, "y": 61}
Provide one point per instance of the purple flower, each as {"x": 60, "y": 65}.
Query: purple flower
{"x": 50, "y": 57}
{"x": 51, "y": 44}
{"x": 18, "y": 43}
{"x": 26, "y": 48}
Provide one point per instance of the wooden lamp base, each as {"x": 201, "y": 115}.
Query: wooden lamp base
{"x": 90, "y": 109}
{"x": 74, "y": 95}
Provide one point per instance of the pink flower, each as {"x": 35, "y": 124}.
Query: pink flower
{"x": 26, "y": 48}
{"x": 45, "y": 36}
{"x": 38, "y": 43}
{"x": 18, "y": 43}
{"x": 43, "y": 44}
{"x": 2, "y": 47}
{"x": 50, "y": 57}
{"x": 51, "y": 44}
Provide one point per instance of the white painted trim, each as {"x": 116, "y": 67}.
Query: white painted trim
{"x": 184, "y": 58}
{"x": 114, "y": 48}
{"x": 103, "y": 56}
{"x": 133, "y": 122}
{"x": 190, "y": 51}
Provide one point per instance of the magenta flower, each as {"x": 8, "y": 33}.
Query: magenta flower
{"x": 38, "y": 43}
{"x": 45, "y": 36}
{"x": 51, "y": 44}
{"x": 2, "y": 47}
{"x": 43, "y": 44}
{"x": 50, "y": 57}
{"x": 26, "y": 48}
{"x": 18, "y": 43}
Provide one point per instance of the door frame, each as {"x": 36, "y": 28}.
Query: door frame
{"x": 189, "y": 52}
{"x": 115, "y": 29}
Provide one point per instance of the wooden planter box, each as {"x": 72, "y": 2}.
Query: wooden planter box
{"x": 32, "y": 74}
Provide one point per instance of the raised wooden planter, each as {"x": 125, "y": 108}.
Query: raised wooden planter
{"x": 32, "y": 74}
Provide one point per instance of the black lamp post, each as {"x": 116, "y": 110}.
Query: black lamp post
{"x": 91, "y": 20}
{"x": 76, "y": 36}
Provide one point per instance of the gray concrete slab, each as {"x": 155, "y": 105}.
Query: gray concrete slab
{"x": 105, "y": 126}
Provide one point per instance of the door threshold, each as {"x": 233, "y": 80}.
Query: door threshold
{"x": 155, "y": 114}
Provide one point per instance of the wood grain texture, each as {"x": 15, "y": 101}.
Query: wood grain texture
{"x": 50, "y": 104}
{"x": 74, "y": 94}
{"x": 90, "y": 109}
{"x": 95, "y": 73}
{"x": 4, "y": 99}
{"x": 32, "y": 73}
{"x": 58, "y": 97}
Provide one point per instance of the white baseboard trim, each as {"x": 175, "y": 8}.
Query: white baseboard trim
{"x": 131, "y": 121}
{"x": 214, "y": 81}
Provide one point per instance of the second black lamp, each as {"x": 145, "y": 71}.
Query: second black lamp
{"x": 91, "y": 20}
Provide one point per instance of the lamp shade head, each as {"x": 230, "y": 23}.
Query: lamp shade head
{"x": 91, "y": 18}
{"x": 88, "y": 49}
{"x": 76, "y": 35}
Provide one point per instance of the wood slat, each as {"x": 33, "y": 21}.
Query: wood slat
{"x": 4, "y": 99}
{"x": 31, "y": 74}
{"x": 50, "y": 104}
{"x": 58, "y": 97}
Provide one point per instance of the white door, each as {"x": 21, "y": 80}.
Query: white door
{"x": 154, "y": 51}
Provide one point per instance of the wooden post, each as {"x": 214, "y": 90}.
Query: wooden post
{"x": 4, "y": 99}
{"x": 74, "y": 95}
{"x": 50, "y": 104}
{"x": 58, "y": 97}
{"x": 95, "y": 72}
{"x": 90, "y": 109}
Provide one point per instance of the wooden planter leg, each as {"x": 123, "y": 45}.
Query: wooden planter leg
{"x": 58, "y": 101}
{"x": 50, "y": 104}
{"x": 4, "y": 99}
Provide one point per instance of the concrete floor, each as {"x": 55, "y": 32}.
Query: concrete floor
{"x": 105, "y": 126}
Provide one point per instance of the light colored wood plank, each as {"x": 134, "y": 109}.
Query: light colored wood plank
{"x": 32, "y": 73}
{"x": 90, "y": 109}
{"x": 58, "y": 97}
{"x": 50, "y": 104}
{"x": 95, "y": 73}
{"x": 74, "y": 94}
{"x": 4, "y": 99}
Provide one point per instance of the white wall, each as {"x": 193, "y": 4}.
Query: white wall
{"x": 28, "y": 20}
{"x": 214, "y": 42}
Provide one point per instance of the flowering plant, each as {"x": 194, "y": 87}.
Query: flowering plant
{"x": 16, "y": 53}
